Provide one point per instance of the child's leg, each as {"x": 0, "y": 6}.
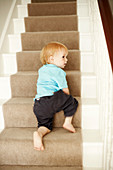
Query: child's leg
{"x": 68, "y": 125}
{"x": 38, "y": 136}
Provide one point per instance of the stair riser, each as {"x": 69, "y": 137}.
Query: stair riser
{"x": 90, "y": 117}
{"x": 48, "y": 9}
{"x": 14, "y": 43}
{"x": 88, "y": 45}
{"x": 2, "y": 101}
{"x": 19, "y": 26}
{"x": 22, "y": 11}
{"x": 22, "y": 116}
{"x": 87, "y": 62}
{"x": 83, "y": 25}
{"x": 83, "y": 10}
{"x": 5, "y": 88}
{"x": 24, "y": 2}
{"x": 30, "y": 61}
{"x": 36, "y": 41}
{"x": 9, "y": 63}
{"x": 62, "y": 23}
{"x": 88, "y": 88}
{"x": 25, "y": 85}
{"x": 92, "y": 154}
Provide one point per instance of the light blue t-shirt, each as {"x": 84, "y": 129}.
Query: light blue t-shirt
{"x": 51, "y": 79}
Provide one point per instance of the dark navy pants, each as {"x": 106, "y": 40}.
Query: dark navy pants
{"x": 47, "y": 106}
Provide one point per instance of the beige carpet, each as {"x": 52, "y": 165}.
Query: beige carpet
{"x": 47, "y": 21}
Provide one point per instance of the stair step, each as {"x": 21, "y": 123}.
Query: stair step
{"x": 17, "y": 148}
{"x": 37, "y": 40}
{"x": 84, "y": 25}
{"x": 51, "y": 23}
{"x": 21, "y": 109}
{"x": 30, "y": 60}
{"x": 15, "y": 40}
{"x": 18, "y": 140}
{"x": 53, "y": 8}
{"x": 24, "y": 84}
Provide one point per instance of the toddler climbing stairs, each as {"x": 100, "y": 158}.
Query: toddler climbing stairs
{"x": 47, "y": 21}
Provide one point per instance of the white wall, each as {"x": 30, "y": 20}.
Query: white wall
{"x": 5, "y": 6}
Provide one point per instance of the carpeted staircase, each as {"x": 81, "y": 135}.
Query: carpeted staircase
{"x": 47, "y": 21}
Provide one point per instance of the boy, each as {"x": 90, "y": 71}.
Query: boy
{"x": 52, "y": 92}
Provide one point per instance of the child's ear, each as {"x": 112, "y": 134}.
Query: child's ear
{"x": 51, "y": 58}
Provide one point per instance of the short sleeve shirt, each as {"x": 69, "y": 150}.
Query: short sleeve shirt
{"x": 51, "y": 79}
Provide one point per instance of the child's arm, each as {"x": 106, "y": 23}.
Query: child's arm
{"x": 66, "y": 90}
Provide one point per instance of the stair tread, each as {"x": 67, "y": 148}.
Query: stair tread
{"x": 50, "y": 16}
{"x": 35, "y": 51}
{"x": 48, "y": 32}
{"x": 44, "y": 3}
{"x": 59, "y": 146}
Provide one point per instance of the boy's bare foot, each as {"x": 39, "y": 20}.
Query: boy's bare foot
{"x": 38, "y": 145}
{"x": 69, "y": 126}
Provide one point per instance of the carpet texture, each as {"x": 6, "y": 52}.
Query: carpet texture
{"x": 48, "y": 20}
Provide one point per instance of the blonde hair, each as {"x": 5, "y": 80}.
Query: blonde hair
{"x": 50, "y": 49}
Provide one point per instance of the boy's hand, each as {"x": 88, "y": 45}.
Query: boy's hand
{"x": 66, "y": 90}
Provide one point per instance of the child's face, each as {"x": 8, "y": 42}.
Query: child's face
{"x": 60, "y": 58}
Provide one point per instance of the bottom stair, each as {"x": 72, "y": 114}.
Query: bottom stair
{"x": 63, "y": 150}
